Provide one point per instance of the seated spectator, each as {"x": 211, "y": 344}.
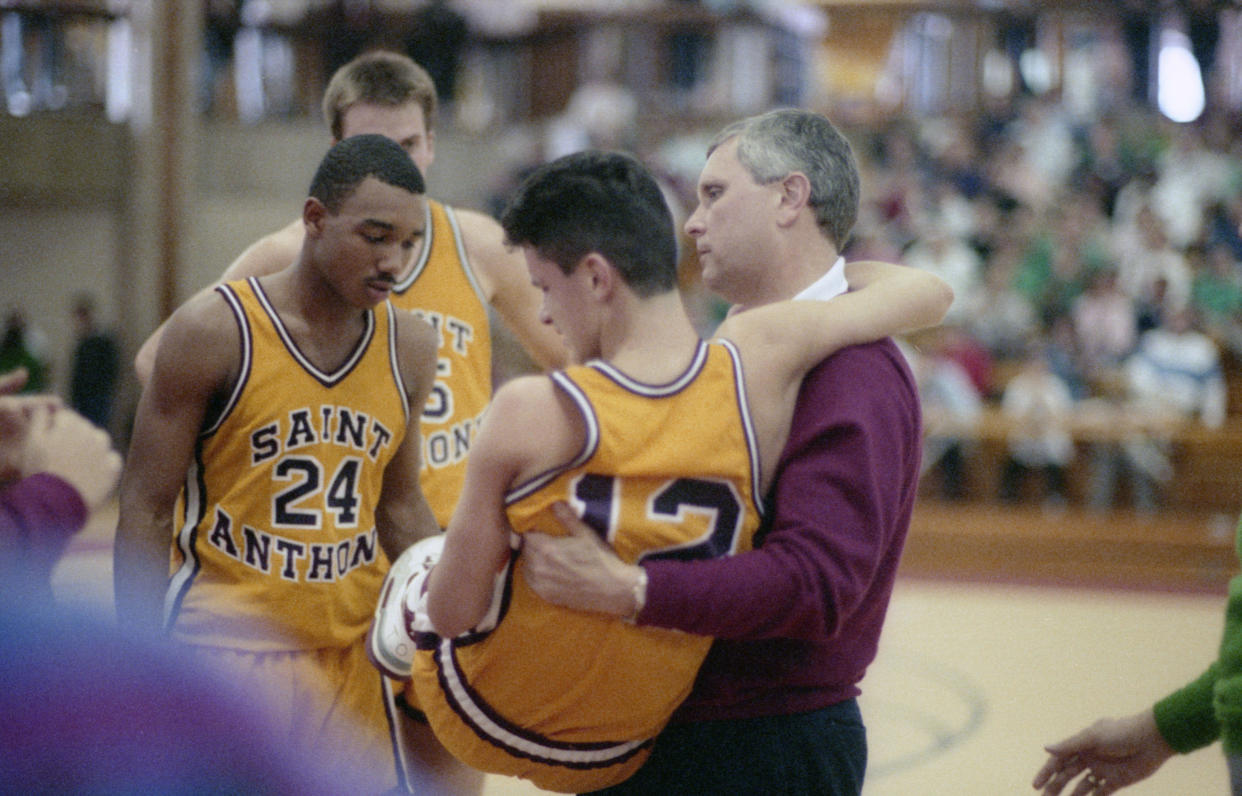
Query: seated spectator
{"x": 1145, "y": 257}
{"x": 1177, "y": 368}
{"x": 1216, "y": 294}
{"x": 952, "y": 259}
{"x": 951, "y": 402}
{"x": 1000, "y": 317}
{"x": 1224, "y": 225}
{"x": 1104, "y": 323}
{"x": 1173, "y": 376}
{"x": 959, "y": 345}
{"x": 1151, "y": 309}
{"x": 1064, "y": 355}
{"x": 1038, "y": 403}
{"x": 1051, "y": 271}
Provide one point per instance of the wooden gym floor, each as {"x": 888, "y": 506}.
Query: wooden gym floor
{"x": 1008, "y": 629}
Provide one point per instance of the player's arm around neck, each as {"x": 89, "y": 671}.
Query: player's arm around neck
{"x": 501, "y": 271}
{"x": 781, "y": 342}
{"x": 525, "y": 432}
{"x": 196, "y": 366}
{"x": 884, "y": 300}
{"x": 402, "y": 515}
{"x": 267, "y": 255}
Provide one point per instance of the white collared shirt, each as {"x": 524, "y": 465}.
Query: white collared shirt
{"x": 829, "y": 285}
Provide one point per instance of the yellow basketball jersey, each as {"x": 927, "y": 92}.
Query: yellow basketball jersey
{"x": 573, "y": 700}
{"x": 442, "y": 289}
{"x": 275, "y": 547}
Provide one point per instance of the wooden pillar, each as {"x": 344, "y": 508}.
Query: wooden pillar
{"x": 164, "y": 43}
{"x": 166, "y": 40}
{"x": 176, "y": 40}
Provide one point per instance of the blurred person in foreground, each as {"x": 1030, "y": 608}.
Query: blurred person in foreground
{"x": 55, "y": 469}
{"x": 146, "y": 720}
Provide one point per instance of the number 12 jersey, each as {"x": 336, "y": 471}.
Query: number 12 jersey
{"x": 570, "y": 700}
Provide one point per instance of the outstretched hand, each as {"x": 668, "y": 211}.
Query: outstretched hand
{"x": 18, "y": 415}
{"x": 1113, "y": 753}
{"x": 13, "y": 381}
{"x": 41, "y": 436}
{"x": 578, "y": 570}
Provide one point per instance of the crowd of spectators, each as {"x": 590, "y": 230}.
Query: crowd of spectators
{"x": 1103, "y": 255}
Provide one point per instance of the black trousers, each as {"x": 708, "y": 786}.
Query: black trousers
{"x": 820, "y": 753}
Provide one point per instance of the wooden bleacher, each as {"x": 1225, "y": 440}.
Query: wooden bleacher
{"x": 1187, "y": 545}
{"x": 984, "y": 541}
{"x": 1207, "y": 463}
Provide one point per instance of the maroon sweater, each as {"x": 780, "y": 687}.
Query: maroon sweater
{"x": 797, "y": 620}
{"x": 38, "y": 514}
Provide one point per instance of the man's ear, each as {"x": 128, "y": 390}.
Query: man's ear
{"x": 795, "y": 193}
{"x": 313, "y": 215}
{"x": 600, "y": 273}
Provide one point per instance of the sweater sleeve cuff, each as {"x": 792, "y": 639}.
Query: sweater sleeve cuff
{"x": 660, "y": 605}
{"x": 1186, "y": 718}
{"x": 71, "y": 511}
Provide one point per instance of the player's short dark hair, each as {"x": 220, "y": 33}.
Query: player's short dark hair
{"x": 351, "y": 161}
{"x": 593, "y": 201}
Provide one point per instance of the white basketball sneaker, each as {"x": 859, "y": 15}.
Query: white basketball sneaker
{"x": 391, "y": 638}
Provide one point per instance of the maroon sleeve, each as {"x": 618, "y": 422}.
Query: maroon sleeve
{"x": 37, "y": 516}
{"x": 842, "y": 499}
